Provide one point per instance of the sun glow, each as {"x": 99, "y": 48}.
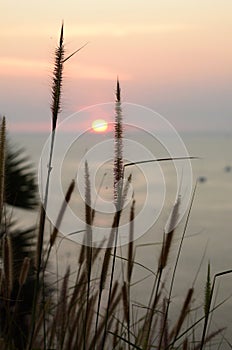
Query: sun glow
{"x": 99, "y": 125}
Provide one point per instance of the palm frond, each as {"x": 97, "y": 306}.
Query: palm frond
{"x": 20, "y": 180}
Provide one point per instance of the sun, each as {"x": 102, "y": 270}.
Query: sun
{"x": 99, "y": 125}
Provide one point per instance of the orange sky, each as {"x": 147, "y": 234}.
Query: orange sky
{"x": 172, "y": 56}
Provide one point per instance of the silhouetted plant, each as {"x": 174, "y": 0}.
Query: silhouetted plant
{"x": 20, "y": 180}
{"x": 77, "y": 318}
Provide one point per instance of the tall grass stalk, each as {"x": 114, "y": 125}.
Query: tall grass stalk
{"x": 209, "y": 301}
{"x": 2, "y": 163}
{"x": 118, "y": 189}
{"x": 24, "y": 271}
{"x": 155, "y": 293}
{"x": 130, "y": 264}
{"x": 8, "y": 265}
{"x": 207, "y": 292}
{"x": 183, "y": 313}
{"x": 55, "y": 109}
{"x": 88, "y": 221}
{"x": 118, "y": 146}
{"x": 105, "y": 267}
{"x": 177, "y": 260}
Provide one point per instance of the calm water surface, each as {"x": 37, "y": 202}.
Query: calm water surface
{"x": 208, "y": 236}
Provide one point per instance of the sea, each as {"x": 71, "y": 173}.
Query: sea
{"x": 205, "y": 184}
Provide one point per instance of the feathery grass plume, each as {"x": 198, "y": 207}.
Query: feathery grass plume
{"x": 219, "y": 274}
{"x": 126, "y": 189}
{"x": 58, "y": 223}
{"x": 39, "y": 247}
{"x": 57, "y": 79}
{"x": 155, "y": 294}
{"x": 88, "y": 215}
{"x": 170, "y": 227}
{"x": 8, "y": 265}
{"x": 207, "y": 292}
{"x": 118, "y": 146}
{"x": 2, "y": 163}
{"x": 61, "y": 212}
{"x": 167, "y": 241}
{"x": 24, "y": 271}
{"x": 130, "y": 263}
{"x": 183, "y": 313}
{"x": 55, "y": 108}
{"x": 178, "y": 256}
{"x": 88, "y": 222}
{"x": 118, "y": 189}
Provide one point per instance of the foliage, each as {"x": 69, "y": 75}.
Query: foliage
{"x": 20, "y": 180}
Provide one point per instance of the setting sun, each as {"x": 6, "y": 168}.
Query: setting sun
{"x": 99, "y": 125}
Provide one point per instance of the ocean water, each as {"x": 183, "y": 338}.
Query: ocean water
{"x": 208, "y": 234}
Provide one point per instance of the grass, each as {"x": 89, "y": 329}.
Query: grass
{"x": 97, "y": 311}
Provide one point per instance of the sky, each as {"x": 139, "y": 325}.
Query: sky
{"x": 174, "y": 57}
